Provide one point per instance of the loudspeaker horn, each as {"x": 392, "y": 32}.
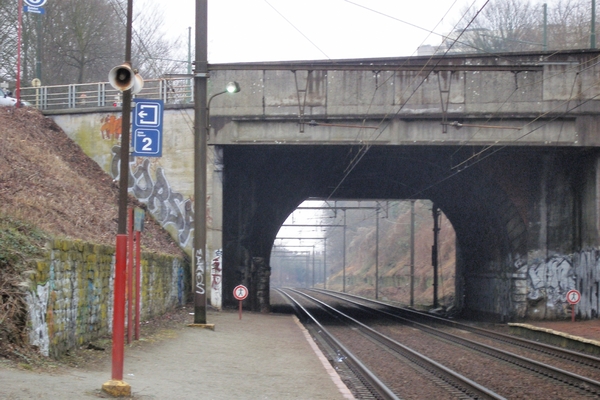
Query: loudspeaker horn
{"x": 138, "y": 84}
{"x": 122, "y": 77}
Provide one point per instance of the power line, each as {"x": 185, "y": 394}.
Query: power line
{"x": 366, "y": 147}
{"x": 298, "y": 30}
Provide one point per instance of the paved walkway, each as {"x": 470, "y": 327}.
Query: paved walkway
{"x": 261, "y": 356}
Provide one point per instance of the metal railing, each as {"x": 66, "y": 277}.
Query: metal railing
{"x": 102, "y": 94}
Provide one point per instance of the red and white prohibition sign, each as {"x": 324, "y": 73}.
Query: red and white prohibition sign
{"x": 240, "y": 292}
{"x": 573, "y": 296}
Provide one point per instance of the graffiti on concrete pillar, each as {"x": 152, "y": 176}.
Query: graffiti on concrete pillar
{"x": 551, "y": 279}
{"x": 216, "y": 272}
{"x": 200, "y": 268}
{"x": 166, "y": 205}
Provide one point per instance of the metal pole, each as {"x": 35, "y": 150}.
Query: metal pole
{"x": 344, "y": 255}
{"x": 138, "y": 288}
{"x": 593, "y": 26}
{"x": 377, "y": 254}
{"x": 129, "y": 276}
{"x": 434, "y": 253}
{"x": 325, "y": 263}
{"x": 40, "y": 44}
{"x": 313, "y": 267}
{"x": 19, "y": 34}
{"x": 121, "y": 250}
{"x": 306, "y": 276}
{"x": 200, "y": 134}
{"x": 412, "y": 253}
{"x": 545, "y": 7}
{"x": 189, "y": 68}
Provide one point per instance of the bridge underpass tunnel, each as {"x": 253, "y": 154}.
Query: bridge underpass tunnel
{"x": 516, "y": 213}
{"x": 370, "y": 248}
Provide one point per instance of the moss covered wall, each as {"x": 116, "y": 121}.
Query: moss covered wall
{"x": 70, "y": 298}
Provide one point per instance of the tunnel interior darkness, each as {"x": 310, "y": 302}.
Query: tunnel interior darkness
{"x": 262, "y": 185}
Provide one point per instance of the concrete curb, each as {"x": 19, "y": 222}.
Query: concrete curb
{"x": 556, "y": 338}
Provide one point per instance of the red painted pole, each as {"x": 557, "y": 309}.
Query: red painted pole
{"x": 137, "y": 283}
{"x": 130, "y": 277}
{"x": 118, "y": 334}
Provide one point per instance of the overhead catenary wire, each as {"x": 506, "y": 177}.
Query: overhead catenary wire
{"x": 298, "y": 30}
{"x": 366, "y": 148}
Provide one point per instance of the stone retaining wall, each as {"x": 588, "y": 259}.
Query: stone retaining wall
{"x": 71, "y": 297}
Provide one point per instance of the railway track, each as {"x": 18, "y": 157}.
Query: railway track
{"x": 453, "y": 384}
{"x": 408, "y": 315}
{"x": 476, "y": 363}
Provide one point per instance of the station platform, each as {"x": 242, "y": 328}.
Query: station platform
{"x": 578, "y": 335}
{"x": 260, "y": 356}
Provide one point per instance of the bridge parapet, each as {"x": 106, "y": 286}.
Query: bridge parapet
{"x": 533, "y": 99}
{"x": 512, "y": 99}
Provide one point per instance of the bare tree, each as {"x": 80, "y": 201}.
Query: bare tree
{"x": 82, "y": 41}
{"x": 569, "y": 24}
{"x": 78, "y": 41}
{"x": 502, "y": 26}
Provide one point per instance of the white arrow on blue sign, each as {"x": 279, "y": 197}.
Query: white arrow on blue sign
{"x": 35, "y": 3}
{"x": 147, "y": 128}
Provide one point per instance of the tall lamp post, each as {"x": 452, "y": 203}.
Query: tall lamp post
{"x": 201, "y": 127}
{"x": 200, "y": 123}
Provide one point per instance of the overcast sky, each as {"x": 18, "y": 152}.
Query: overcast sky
{"x": 277, "y": 30}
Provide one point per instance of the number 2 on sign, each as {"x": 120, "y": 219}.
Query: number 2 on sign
{"x": 147, "y": 144}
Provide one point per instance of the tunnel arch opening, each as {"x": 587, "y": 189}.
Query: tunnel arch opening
{"x": 263, "y": 185}
{"x": 380, "y": 249}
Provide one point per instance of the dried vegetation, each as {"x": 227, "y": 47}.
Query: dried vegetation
{"x": 49, "y": 188}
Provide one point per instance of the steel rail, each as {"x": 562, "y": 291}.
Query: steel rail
{"x": 581, "y": 382}
{"x": 450, "y": 377}
{"x": 367, "y": 378}
{"x": 558, "y": 352}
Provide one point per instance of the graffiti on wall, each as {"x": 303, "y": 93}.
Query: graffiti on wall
{"x": 37, "y": 304}
{"x": 111, "y": 127}
{"x": 200, "y": 268}
{"x": 177, "y": 282}
{"x": 551, "y": 279}
{"x": 166, "y": 205}
{"x": 216, "y": 272}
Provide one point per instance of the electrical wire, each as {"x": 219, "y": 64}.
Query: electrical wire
{"x": 532, "y": 85}
{"x": 540, "y": 116}
{"x": 298, "y": 30}
{"x": 365, "y": 147}
{"x": 358, "y": 158}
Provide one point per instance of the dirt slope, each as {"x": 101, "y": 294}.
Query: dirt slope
{"x": 47, "y": 180}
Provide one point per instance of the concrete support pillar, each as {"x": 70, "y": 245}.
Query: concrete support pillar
{"x": 259, "y": 284}
{"x": 214, "y": 235}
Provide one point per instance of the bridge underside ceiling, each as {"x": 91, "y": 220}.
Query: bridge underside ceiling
{"x": 488, "y": 199}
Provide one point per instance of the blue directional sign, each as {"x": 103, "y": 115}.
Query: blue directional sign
{"x": 34, "y": 10}
{"x": 147, "y": 128}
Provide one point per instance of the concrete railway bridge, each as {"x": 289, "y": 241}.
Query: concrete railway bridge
{"x": 506, "y": 145}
